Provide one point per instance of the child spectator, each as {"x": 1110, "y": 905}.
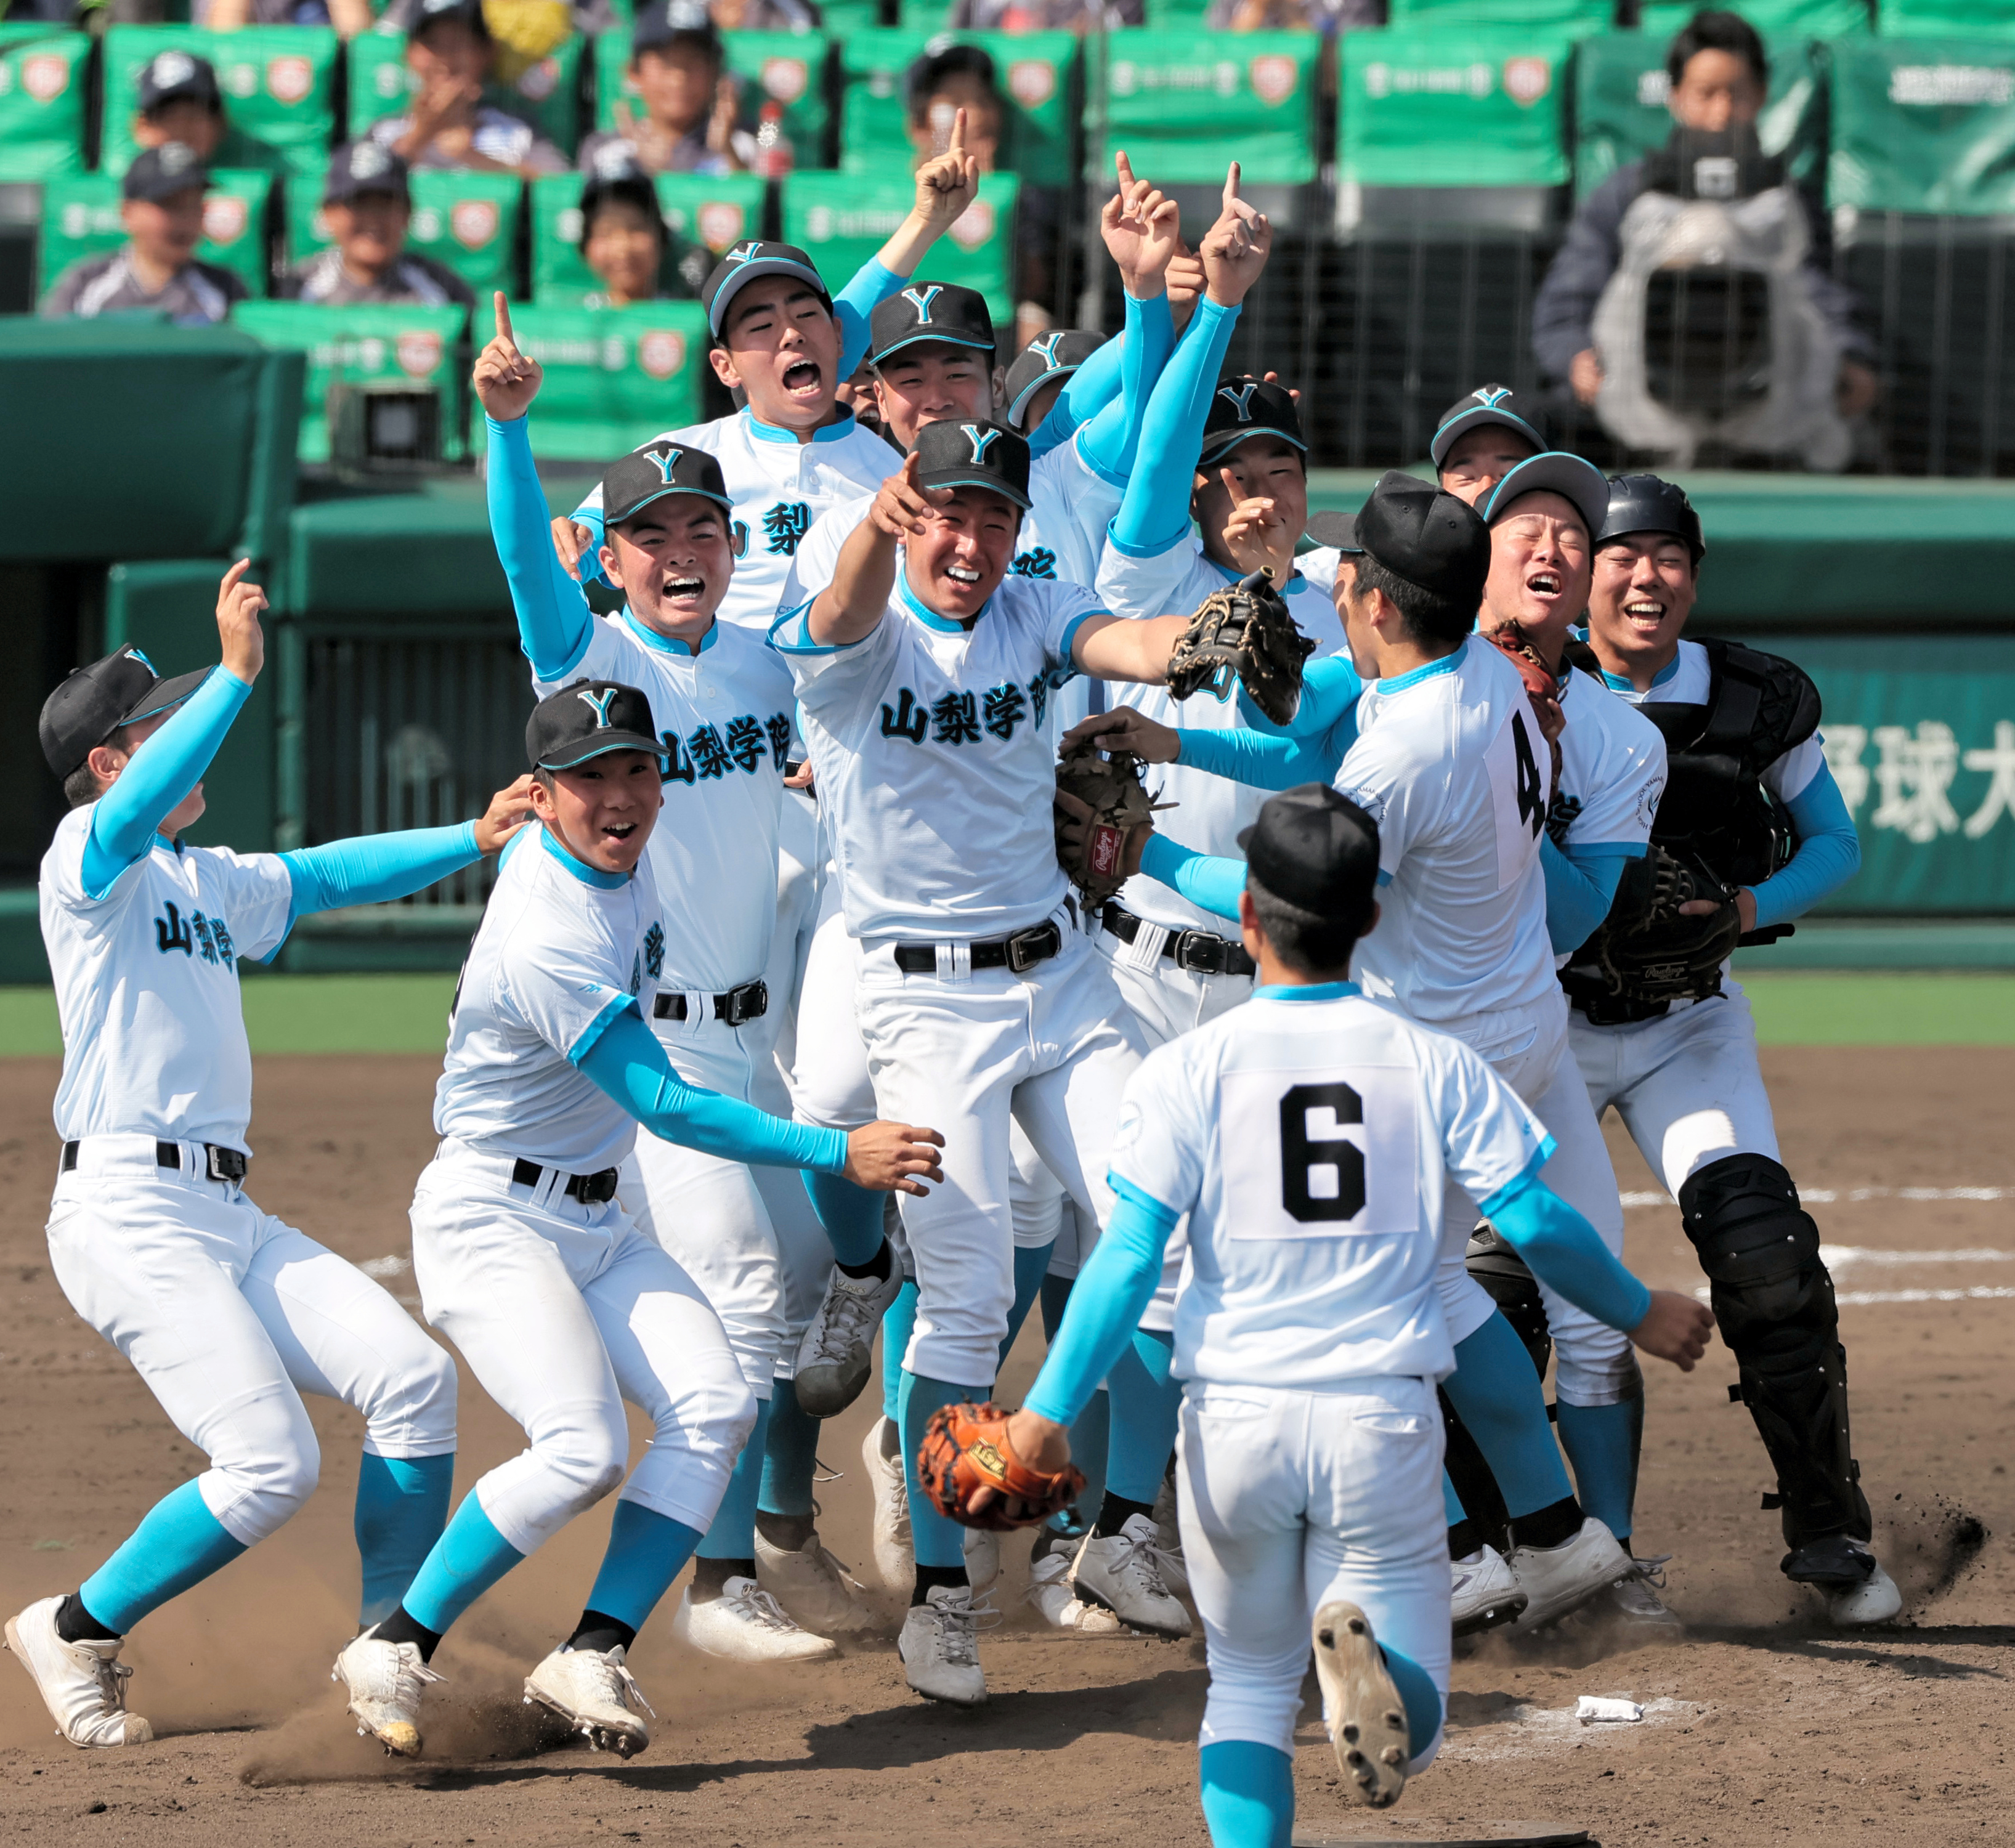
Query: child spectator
{"x": 367, "y": 205}
{"x": 451, "y": 53}
{"x": 680, "y": 67}
{"x": 161, "y": 205}
{"x": 623, "y": 235}
{"x": 180, "y": 101}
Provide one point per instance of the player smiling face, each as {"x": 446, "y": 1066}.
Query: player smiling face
{"x": 930, "y": 382}
{"x": 781, "y": 345}
{"x": 1643, "y": 591}
{"x": 1540, "y": 566}
{"x": 1268, "y": 466}
{"x": 602, "y": 811}
{"x": 959, "y": 562}
{"x": 674, "y": 562}
{"x": 1479, "y": 459}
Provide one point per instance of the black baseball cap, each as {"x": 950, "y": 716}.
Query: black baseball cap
{"x": 1044, "y": 361}
{"x": 1649, "y": 504}
{"x": 952, "y": 455}
{"x": 1328, "y": 527}
{"x": 751, "y": 258}
{"x": 925, "y": 311}
{"x": 667, "y": 21}
{"x": 161, "y": 173}
{"x": 431, "y": 13}
{"x": 1487, "y": 404}
{"x": 360, "y": 168}
{"x": 178, "y": 77}
{"x": 1425, "y": 535}
{"x": 658, "y": 469}
{"x": 96, "y": 701}
{"x": 1575, "y": 478}
{"x": 1315, "y": 848}
{"x": 589, "y": 719}
{"x": 615, "y": 172}
{"x": 1241, "y": 408}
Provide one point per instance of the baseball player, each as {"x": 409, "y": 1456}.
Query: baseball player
{"x": 1748, "y": 779}
{"x": 1313, "y": 1137}
{"x": 526, "y": 1258}
{"x": 924, "y": 670}
{"x": 227, "y": 1315}
{"x": 1036, "y": 382}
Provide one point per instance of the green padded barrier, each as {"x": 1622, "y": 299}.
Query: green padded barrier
{"x": 1946, "y": 19}
{"x": 407, "y": 341}
{"x": 43, "y": 79}
{"x": 1619, "y": 104}
{"x": 1786, "y": 19}
{"x": 790, "y": 67}
{"x": 1924, "y": 125}
{"x": 843, "y": 219}
{"x": 1038, "y": 75}
{"x": 1184, "y": 102}
{"x": 278, "y": 83}
{"x": 614, "y": 377}
{"x": 1456, "y": 107}
{"x": 716, "y": 212}
{"x": 1577, "y": 16}
{"x": 80, "y": 218}
{"x": 546, "y": 93}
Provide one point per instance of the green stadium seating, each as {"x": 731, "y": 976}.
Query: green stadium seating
{"x": 547, "y": 94}
{"x": 1924, "y": 125}
{"x": 843, "y": 219}
{"x": 1467, "y": 106}
{"x": 717, "y": 212}
{"x": 1038, "y": 73}
{"x": 467, "y": 221}
{"x": 1944, "y": 18}
{"x": 714, "y": 213}
{"x": 614, "y": 377}
{"x": 1184, "y": 102}
{"x": 363, "y": 343}
{"x": 1619, "y": 104}
{"x": 80, "y": 218}
{"x": 1578, "y": 17}
{"x": 1161, "y": 13}
{"x": 790, "y": 67}
{"x": 1789, "y": 19}
{"x": 42, "y": 102}
{"x": 279, "y": 85}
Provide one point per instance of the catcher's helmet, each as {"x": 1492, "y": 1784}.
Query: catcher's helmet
{"x": 1649, "y": 504}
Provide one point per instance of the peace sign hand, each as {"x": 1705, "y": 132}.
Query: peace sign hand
{"x": 505, "y": 380}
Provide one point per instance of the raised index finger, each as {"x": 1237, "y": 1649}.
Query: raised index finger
{"x": 1124, "y": 168}
{"x": 503, "y": 332}
{"x": 956, "y": 145}
{"x": 1231, "y": 186}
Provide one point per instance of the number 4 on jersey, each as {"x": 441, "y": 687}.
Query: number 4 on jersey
{"x": 1532, "y": 791}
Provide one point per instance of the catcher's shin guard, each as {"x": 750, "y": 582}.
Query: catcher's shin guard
{"x": 1502, "y": 1271}
{"x": 1773, "y": 1300}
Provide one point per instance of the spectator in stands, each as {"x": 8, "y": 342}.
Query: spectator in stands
{"x": 623, "y": 235}
{"x": 765, "y": 15}
{"x": 680, "y": 66}
{"x": 590, "y": 17}
{"x": 1288, "y": 16}
{"x": 451, "y": 53}
{"x": 368, "y": 205}
{"x": 1043, "y": 15}
{"x": 161, "y": 207}
{"x": 1720, "y": 78}
{"x": 349, "y": 17}
{"x": 180, "y": 101}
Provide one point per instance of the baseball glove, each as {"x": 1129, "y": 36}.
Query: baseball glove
{"x": 1541, "y": 688}
{"x": 1245, "y": 629}
{"x": 1095, "y": 856}
{"x": 1646, "y": 951}
{"x": 965, "y": 1449}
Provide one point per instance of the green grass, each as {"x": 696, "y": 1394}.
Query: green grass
{"x": 408, "y": 1014}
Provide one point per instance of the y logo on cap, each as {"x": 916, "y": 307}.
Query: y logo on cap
{"x": 135, "y": 654}
{"x": 742, "y": 251}
{"x": 982, "y": 441}
{"x": 1239, "y": 398}
{"x": 599, "y": 703}
{"x": 667, "y": 460}
{"x": 1045, "y": 349}
{"x": 921, "y": 299}
{"x": 1491, "y": 397}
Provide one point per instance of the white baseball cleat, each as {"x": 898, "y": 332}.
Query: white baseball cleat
{"x": 981, "y": 1547}
{"x": 837, "y": 1353}
{"x": 1122, "y": 1571}
{"x": 1635, "y": 1601}
{"x": 82, "y": 1683}
{"x": 744, "y": 1623}
{"x": 882, "y": 1454}
{"x": 1367, "y": 1719}
{"x": 386, "y": 1681}
{"x": 1558, "y": 1579}
{"x": 1169, "y": 1546}
{"x": 594, "y": 1691}
{"x": 1049, "y": 1592}
{"x": 1875, "y": 1600}
{"x": 939, "y": 1646}
{"x": 816, "y": 1590}
{"x": 1484, "y": 1592}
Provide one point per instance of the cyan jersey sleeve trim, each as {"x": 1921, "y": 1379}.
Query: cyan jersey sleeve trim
{"x": 1110, "y": 444}
{"x": 1581, "y": 886}
{"x": 162, "y": 769}
{"x": 1086, "y": 393}
{"x": 625, "y": 1061}
{"x": 1208, "y": 881}
{"x": 554, "y": 624}
{"x": 1829, "y": 853}
{"x": 798, "y": 640}
{"x": 1563, "y": 1250}
{"x": 368, "y": 868}
{"x": 872, "y": 285}
{"x": 1112, "y": 1294}
{"x": 1261, "y": 762}
{"x": 1156, "y": 510}
{"x": 1069, "y": 664}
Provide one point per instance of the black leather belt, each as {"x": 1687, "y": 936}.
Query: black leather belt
{"x": 219, "y": 1163}
{"x": 1194, "y": 950}
{"x": 750, "y": 1001}
{"x": 1020, "y": 952}
{"x": 590, "y": 1190}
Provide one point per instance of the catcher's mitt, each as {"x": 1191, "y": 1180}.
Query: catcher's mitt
{"x": 1647, "y": 950}
{"x": 965, "y": 1448}
{"x": 1245, "y": 629}
{"x": 1095, "y": 855}
{"x": 1541, "y": 688}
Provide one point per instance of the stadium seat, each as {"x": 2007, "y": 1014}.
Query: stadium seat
{"x": 1184, "y": 103}
{"x": 713, "y": 214}
{"x": 843, "y": 219}
{"x": 279, "y": 85}
{"x": 1805, "y": 19}
{"x": 546, "y": 93}
{"x": 43, "y": 79}
{"x": 1941, "y": 18}
{"x": 467, "y": 221}
{"x": 1924, "y": 125}
{"x": 789, "y": 67}
{"x": 363, "y": 344}
{"x": 80, "y": 218}
{"x": 1162, "y": 13}
{"x": 1038, "y": 73}
{"x": 1578, "y": 17}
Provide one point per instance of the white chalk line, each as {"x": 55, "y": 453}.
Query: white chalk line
{"x": 1826, "y": 1196}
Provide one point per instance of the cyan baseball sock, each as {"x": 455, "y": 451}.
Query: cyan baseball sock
{"x": 896, "y": 1327}
{"x": 1147, "y": 1401}
{"x": 790, "y": 1463}
{"x": 647, "y": 1551}
{"x": 179, "y": 1543}
{"x": 401, "y": 1511}
{"x": 1420, "y": 1696}
{"x": 1495, "y": 1392}
{"x": 938, "y": 1542}
{"x": 1032, "y": 1269}
{"x": 731, "y": 1540}
{"x": 1602, "y": 1443}
{"x": 1248, "y": 1794}
{"x": 468, "y": 1558}
{"x": 852, "y": 1217}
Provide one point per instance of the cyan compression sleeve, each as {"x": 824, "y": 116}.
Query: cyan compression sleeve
{"x": 1109, "y": 442}
{"x": 1087, "y": 391}
{"x": 1243, "y": 756}
{"x": 368, "y": 869}
{"x": 554, "y": 620}
{"x": 1112, "y": 1294}
{"x": 1204, "y": 879}
{"x": 872, "y": 285}
{"x": 1580, "y": 889}
{"x": 1329, "y": 688}
{"x": 1155, "y": 513}
{"x": 1829, "y": 853}
{"x": 1566, "y": 1253}
{"x": 626, "y": 1061}
{"x": 161, "y": 771}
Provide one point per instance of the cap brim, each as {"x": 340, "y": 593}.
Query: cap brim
{"x": 1020, "y": 401}
{"x": 599, "y": 744}
{"x": 165, "y": 693}
{"x": 1331, "y": 529}
{"x": 1211, "y": 452}
{"x": 764, "y": 265}
{"x": 721, "y": 500}
{"x": 1464, "y": 422}
{"x": 955, "y": 478}
{"x": 926, "y": 337}
{"x": 1576, "y": 479}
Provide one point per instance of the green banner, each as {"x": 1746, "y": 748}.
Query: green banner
{"x": 786, "y": 67}
{"x": 843, "y": 219}
{"x": 42, "y": 82}
{"x": 1185, "y": 103}
{"x": 546, "y": 94}
{"x": 80, "y": 218}
{"x": 1575, "y": 16}
{"x": 278, "y": 83}
{"x": 1941, "y": 18}
{"x": 1924, "y": 125}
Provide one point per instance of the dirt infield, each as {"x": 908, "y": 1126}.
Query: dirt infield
{"x": 1762, "y": 1726}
